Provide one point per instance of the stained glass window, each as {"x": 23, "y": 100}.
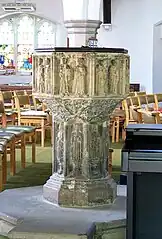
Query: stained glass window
{"x": 19, "y": 36}
{"x": 46, "y": 35}
{"x": 7, "y": 64}
{"x": 25, "y": 44}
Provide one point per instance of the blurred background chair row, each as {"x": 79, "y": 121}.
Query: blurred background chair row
{"x": 138, "y": 107}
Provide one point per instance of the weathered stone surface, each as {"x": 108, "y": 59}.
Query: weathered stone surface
{"x": 81, "y": 73}
{"x": 75, "y": 192}
{"x": 118, "y": 233}
{"x": 113, "y": 230}
{"x": 81, "y": 89}
{"x": 89, "y": 109}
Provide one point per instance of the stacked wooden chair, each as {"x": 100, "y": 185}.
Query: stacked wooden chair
{"x": 12, "y": 137}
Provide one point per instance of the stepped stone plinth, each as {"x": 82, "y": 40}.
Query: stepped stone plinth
{"x": 81, "y": 87}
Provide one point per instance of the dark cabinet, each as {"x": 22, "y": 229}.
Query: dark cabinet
{"x": 142, "y": 161}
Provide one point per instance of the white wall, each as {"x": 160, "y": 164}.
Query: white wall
{"x": 157, "y": 58}
{"x": 132, "y": 28}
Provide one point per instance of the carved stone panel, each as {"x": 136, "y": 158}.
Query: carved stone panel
{"x": 81, "y": 150}
{"x": 88, "y": 110}
{"x": 43, "y": 74}
{"x": 81, "y": 74}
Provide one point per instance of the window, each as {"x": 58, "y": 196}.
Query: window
{"x": 7, "y": 63}
{"x": 19, "y": 36}
{"x": 46, "y": 35}
{"x": 25, "y": 41}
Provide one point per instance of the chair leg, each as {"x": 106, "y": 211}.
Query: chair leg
{"x": 12, "y": 159}
{"x": 123, "y": 134}
{"x": 42, "y": 133}
{"x": 113, "y": 131}
{"x": 33, "y": 147}
{"x": 23, "y": 153}
{"x": 4, "y": 167}
{"x": 117, "y": 129}
{"x": 110, "y": 162}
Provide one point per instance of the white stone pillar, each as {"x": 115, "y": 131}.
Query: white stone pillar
{"x": 81, "y": 24}
{"x": 79, "y": 31}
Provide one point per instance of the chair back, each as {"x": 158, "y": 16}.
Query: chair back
{"x": 131, "y": 94}
{"x": 7, "y": 98}
{"x": 158, "y": 99}
{"x": 7, "y": 95}
{"x": 22, "y": 103}
{"x": 134, "y": 101}
{"x": 142, "y": 100}
{"x": 134, "y": 114}
{"x": 125, "y": 104}
{"x": 18, "y": 92}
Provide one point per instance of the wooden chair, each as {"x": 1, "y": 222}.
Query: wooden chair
{"x": 8, "y": 140}
{"x": 9, "y": 106}
{"x": 115, "y": 127}
{"x": 134, "y": 113}
{"x": 143, "y": 102}
{"x": 3, "y": 166}
{"x": 126, "y": 104}
{"x": 20, "y": 133}
{"x": 7, "y": 98}
{"x": 31, "y": 117}
{"x": 130, "y": 101}
{"x": 151, "y": 102}
{"x": 128, "y": 117}
{"x": 133, "y": 101}
{"x": 116, "y": 123}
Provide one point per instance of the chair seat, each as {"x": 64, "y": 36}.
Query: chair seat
{"x": 8, "y": 113}
{"x": 2, "y": 148}
{"x": 10, "y": 131}
{"x": 25, "y": 129}
{"x": 7, "y": 136}
{"x": 34, "y": 113}
{"x": 3, "y": 141}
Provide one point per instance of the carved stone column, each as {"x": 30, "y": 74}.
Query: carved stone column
{"x": 84, "y": 87}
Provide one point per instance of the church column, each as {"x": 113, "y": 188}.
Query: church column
{"x": 79, "y": 21}
{"x": 79, "y": 31}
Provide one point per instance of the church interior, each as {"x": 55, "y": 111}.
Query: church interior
{"x": 80, "y": 89}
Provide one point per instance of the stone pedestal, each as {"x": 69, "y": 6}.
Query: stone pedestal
{"x": 81, "y": 87}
